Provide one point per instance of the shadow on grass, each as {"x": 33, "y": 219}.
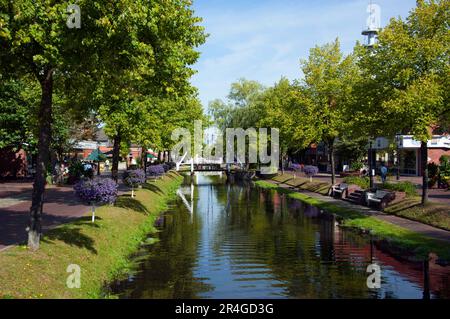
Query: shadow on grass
{"x": 172, "y": 175}
{"x": 282, "y": 179}
{"x": 402, "y": 205}
{"x": 87, "y": 220}
{"x": 316, "y": 187}
{"x": 71, "y": 236}
{"x": 152, "y": 187}
{"x": 130, "y": 203}
{"x": 299, "y": 183}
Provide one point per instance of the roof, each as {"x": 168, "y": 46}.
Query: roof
{"x": 100, "y": 136}
{"x": 96, "y": 155}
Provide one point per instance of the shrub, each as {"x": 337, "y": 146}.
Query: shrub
{"x": 155, "y": 170}
{"x": 97, "y": 190}
{"x": 76, "y": 172}
{"x": 310, "y": 171}
{"x": 295, "y": 167}
{"x": 356, "y": 166}
{"x": 433, "y": 174}
{"x": 444, "y": 171}
{"x": 444, "y": 160}
{"x": 172, "y": 165}
{"x": 166, "y": 167}
{"x": 363, "y": 182}
{"x": 407, "y": 187}
{"x": 133, "y": 178}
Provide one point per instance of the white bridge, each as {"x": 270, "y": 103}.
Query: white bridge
{"x": 201, "y": 164}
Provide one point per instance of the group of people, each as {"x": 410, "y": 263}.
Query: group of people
{"x": 383, "y": 172}
{"x": 60, "y": 170}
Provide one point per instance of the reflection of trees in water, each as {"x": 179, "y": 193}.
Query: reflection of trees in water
{"x": 310, "y": 256}
{"x": 168, "y": 272}
{"x": 298, "y": 250}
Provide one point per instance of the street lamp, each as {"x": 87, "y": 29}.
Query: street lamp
{"x": 370, "y": 157}
{"x": 397, "y": 141}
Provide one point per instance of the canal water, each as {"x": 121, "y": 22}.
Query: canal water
{"x": 234, "y": 240}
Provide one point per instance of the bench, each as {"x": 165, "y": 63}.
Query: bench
{"x": 339, "y": 190}
{"x": 380, "y": 198}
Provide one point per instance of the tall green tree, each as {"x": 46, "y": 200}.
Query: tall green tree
{"x": 239, "y": 109}
{"x": 178, "y": 113}
{"x": 153, "y": 39}
{"x": 35, "y": 42}
{"x": 17, "y": 108}
{"x": 329, "y": 78}
{"x": 285, "y": 106}
{"x": 19, "y": 121}
{"x": 159, "y": 68}
{"x": 406, "y": 77}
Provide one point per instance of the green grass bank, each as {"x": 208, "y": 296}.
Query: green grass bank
{"x": 396, "y": 237}
{"x": 433, "y": 214}
{"x": 101, "y": 249}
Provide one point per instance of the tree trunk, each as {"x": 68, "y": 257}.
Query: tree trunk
{"x": 424, "y": 164}
{"x": 37, "y": 200}
{"x": 116, "y": 155}
{"x": 333, "y": 171}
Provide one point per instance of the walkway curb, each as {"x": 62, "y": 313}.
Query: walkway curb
{"x": 414, "y": 226}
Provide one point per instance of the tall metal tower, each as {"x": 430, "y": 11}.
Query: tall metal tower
{"x": 373, "y": 24}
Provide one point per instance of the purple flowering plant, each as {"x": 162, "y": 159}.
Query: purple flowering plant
{"x": 97, "y": 190}
{"x": 310, "y": 171}
{"x": 155, "y": 170}
{"x": 134, "y": 177}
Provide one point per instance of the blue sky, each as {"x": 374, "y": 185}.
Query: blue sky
{"x": 265, "y": 39}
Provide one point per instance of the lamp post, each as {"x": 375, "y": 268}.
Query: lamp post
{"x": 370, "y": 157}
{"x": 397, "y": 141}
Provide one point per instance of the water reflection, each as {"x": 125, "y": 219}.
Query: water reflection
{"x": 244, "y": 242}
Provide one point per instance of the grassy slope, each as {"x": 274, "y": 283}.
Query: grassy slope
{"x": 434, "y": 214}
{"x": 396, "y": 235}
{"x": 100, "y": 249}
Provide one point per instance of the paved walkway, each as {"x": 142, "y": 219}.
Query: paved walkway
{"x": 435, "y": 195}
{"x": 421, "y": 228}
{"x": 61, "y": 206}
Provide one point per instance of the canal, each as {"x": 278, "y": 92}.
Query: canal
{"x": 234, "y": 240}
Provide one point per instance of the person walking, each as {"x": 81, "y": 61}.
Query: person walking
{"x": 384, "y": 171}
